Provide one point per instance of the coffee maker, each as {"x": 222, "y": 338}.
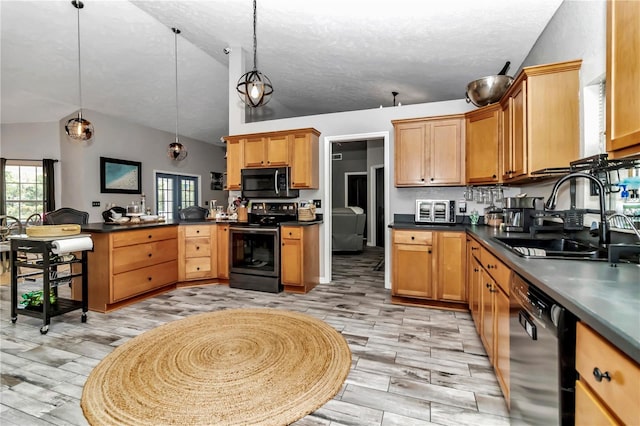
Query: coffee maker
{"x": 518, "y": 212}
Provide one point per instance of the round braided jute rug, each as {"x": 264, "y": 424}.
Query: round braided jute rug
{"x": 238, "y": 366}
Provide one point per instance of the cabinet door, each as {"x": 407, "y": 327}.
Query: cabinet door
{"x": 482, "y": 142}
{"x": 254, "y": 151}
{"x": 589, "y": 409}
{"x": 506, "y": 150}
{"x": 291, "y": 270}
{"x": 486, "y": 313}
{"x": 623, "y": 78}
{"x": 411, "y": 157}
{"x": 451, "y": 266}
{"x": 412, "y": 271}
{"x": 445, "y": 152}
{"x": 519, "y": 139}
{"x": 234, "y": 164}
{"x": 222, "y": 236}
{"x": 304, "y": 161}
{"x": 501, "y": 354}
{"x": 278, "y": 151}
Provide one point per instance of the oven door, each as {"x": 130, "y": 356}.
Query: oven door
{"x": 255, "y": 251}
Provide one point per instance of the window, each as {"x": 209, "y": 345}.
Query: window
{"x": 25, "y": 188}
{"x": 174, "y": 192}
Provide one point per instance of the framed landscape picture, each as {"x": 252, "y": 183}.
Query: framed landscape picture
{"x": 120, "y": 176}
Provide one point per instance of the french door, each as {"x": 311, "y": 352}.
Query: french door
{"x": 175, "y": 192}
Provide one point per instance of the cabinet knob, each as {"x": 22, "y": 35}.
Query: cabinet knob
{"x": 474, "y": 248}
{"x": 476, "y": 270}
{"x": 198, "y": 268}
{"x": 599, "y": 375}
{"x": 150, "y": 236}
{"x": 150, "y": 254}
{"x": 422, "y": 179}
{"x": 494, "y": 176}
{"x": 488, "y": 285}
{"x": 148, "y": 278}
{"x": 289, "y": 233}
{"x": 197, "y": 231}
{"x": 197, "y": 247}
{"x": 429, "y": 251}
{"x": 489, "y": 266}
{"x": 431, "y": 179}
{"x": 413, "y": 238}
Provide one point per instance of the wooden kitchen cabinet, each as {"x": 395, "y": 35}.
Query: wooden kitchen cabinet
{"x": 197, "y": 251}
{"x": 487, "y": 313}
{"x": 299, "y": 257}
{"x": 501, "y": 345}
{"x": 609, "y": 385}
{"x": 128, "y": 264}
{"x": 222, "y": 243}
{"x": 413, "y": 264}
{"x": 623, "y": 78}
{"x": 451, "y": 261}
{"x": 483, "y": 141}
{"x": 304, "y": 159}
{"x": 266, "y": 151}
{"x": 429, "y": 151}
{"x": 440, "y": 257}
{"x": 474, "y": 281}
{"x": 234, "y": 164}
{"x": 540, "y": 120}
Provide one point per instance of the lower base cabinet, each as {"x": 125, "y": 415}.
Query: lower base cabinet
{"x": 197, "y": 251}
{"x": 300, "y": 257}
{"x": 429, "y": 265}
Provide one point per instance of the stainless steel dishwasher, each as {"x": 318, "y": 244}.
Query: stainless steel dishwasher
{"x": 542, "y": 356}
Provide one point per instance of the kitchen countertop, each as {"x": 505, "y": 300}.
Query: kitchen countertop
{"x": 605, "y": 298}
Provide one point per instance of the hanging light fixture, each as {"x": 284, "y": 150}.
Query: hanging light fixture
{"x": 78, "y": 128}
{"x": 176, "y": 151}
{"x": 254, "y": 88}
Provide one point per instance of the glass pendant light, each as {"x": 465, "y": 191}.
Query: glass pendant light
{"x": 176, "y": 151}
{"x": 78, "y": 128}
{"x": 254, "y": 88}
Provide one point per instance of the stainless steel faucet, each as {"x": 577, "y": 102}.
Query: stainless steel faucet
{"x": 551, "y": 202}
{"x": 626, "y": 219}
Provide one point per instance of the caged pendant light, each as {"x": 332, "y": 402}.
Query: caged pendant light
{"x": 176, "y": 151}
{"x": 78, "y": 128}
{"x": 254, "y": 88}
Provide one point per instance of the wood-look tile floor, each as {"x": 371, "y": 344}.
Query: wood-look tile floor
{"x": 411, "y": 365}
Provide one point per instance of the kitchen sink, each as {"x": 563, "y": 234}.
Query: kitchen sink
{"x": 558, "y": 248}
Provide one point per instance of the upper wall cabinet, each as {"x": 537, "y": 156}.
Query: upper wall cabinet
{"x": 483, "y": 144}
{"x": 297, "y": 149}
{"x": 541, "y": 120}
{"x": 623, "y": 78}
{"x": 429, "y": 151}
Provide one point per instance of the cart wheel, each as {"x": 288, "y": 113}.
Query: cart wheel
{"x": 14, "y": 319}
{"x": 44, "y": 329}
{"x": 84, "y": 318}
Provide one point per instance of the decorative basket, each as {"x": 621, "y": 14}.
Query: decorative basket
{"x": 306, "y": 214}
{"x": 53, "y": 230}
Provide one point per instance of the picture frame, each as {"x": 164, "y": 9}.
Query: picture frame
{"x": 120, "y": 176}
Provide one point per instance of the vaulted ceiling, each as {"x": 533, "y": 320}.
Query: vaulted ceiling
{"x": 321, "y": 56}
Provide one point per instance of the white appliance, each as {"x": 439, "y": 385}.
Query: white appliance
{"x": 435, "y": 211}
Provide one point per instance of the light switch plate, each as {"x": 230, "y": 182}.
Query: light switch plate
{"x": 462, "y": 206}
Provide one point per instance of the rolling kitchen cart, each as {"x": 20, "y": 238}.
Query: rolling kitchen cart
{"x": 46, "y": 264}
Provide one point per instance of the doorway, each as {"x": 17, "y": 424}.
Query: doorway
{"x": 175, "y": 192}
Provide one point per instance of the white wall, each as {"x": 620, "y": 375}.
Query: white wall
{"x": 32, "y": 141}
{"x": 79, "y": 162}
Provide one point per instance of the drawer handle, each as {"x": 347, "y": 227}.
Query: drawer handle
{"x": 150, "y": 236}
{"x": 150, "y": 254}
{"x": 197, "y": 231}
{"x": 599, "y": 375}
{"x": 490, "y": 266}
{"x": 198, "y": 268}
{"x": 197, "y": 247}
{"x": 429, "y": 251}
{"x": 476, "y": 270}
{"x": 488, "y": 285}
{"x": 149, "y": 278}
{"x": 474, "y": 248}
{"x": 413, "y": 238}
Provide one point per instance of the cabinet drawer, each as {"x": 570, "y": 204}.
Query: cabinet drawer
{"x": 197, "y": 247}
{"x": 498, "y": 270}
{"x": 198, "y": 267}
{"x": 292, "y": 232}
{"x": 413, "y": 237}
{"x": 621, "y": 393}
{"x": 197, "y": 230}
{"x": 589, "y": 410}
{"x": 128, "y": 258}
{"x": 140, "y": 236}
{"x": 142, "y": 280}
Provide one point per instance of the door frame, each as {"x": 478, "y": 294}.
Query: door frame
{"x": 373, "y": 234}
{"x": 346, "y": 184}
{"x": 325, "y": 260}
{"x": 174, "y": 173}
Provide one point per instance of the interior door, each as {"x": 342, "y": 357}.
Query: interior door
{"x": 380, "y": 236}
{"x": 175, "y": 192}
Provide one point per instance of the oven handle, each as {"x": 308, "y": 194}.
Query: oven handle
{"x": 254, "y": 230}
{"x": 275, "y": 184}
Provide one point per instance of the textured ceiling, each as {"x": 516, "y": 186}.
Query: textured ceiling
{"x": 321, "y": 56}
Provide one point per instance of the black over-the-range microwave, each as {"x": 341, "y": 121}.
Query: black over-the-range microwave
{"x": 267, "y": 183}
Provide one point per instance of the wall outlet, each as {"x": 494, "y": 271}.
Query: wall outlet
{"x": 318, "y": 203}
{"x": 95, "y": 204}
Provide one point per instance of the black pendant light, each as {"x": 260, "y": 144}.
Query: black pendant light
{"x": 254, "y": 88}
{"x": 176, "y": 151}
{"x": 78, "y": 128}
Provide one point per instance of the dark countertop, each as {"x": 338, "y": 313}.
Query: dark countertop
{"x": 605, "y": 298}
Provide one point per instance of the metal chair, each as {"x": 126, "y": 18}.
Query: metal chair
{"x": 33, "y": 220}
{"x": 66, "y": 215}
{"x": 9, "y": 225}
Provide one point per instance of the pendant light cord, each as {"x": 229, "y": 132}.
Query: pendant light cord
{"x": 255, "y": 39}
{"x": 79, "y": 6}
{"x": 176, "y": 32}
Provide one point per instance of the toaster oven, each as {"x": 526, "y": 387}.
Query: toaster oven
{"x": 435, "y": 211}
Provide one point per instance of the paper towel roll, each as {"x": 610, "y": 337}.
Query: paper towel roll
{"x": 67, "y": 245}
